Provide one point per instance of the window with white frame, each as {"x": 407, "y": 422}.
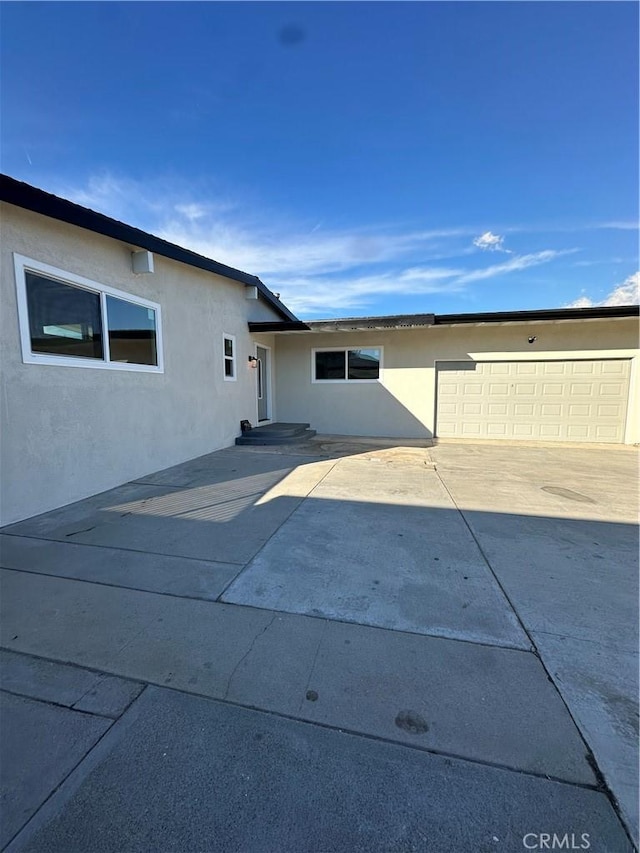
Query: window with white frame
{"x": 347, "y": 364}
{"x": 229, "y": 355}
{"x": 66, "y": 319}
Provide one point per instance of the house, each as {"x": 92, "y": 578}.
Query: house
{"x": 123, "y": 354}
{"x": 558, "y": 375}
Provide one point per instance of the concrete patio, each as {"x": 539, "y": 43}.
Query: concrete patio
{"x": 337, "y": 646}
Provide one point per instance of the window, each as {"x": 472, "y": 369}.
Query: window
{"x": 69, "y": 320}
{"x": 229, "y": 354}
{"x": 347, "y": 365}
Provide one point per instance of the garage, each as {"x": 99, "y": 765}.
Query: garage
{"x": 568, "y": 400}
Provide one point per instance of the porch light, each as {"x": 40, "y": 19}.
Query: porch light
{"x": 253, "y": 361}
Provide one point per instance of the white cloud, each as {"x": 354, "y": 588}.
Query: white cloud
{"x": 191, "y": 211}
{"x": 517, "y": 263}
{"x": 318, "y": 270}
{"x": 619, "y": 226}
{"x": 259, "y": 244}
{"x": 322, "y": 296}
{"x": 490, "y": 242}
{"x": 627, "y": 293}
{"x": 308, "y": 295}
{"x": 581, "y": 302}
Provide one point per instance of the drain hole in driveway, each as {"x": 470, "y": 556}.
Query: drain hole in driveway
{"x": 568, "y": 493}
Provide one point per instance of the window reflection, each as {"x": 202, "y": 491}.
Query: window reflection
{"x": 364, "y": 363}
{"x": 132, "y": 332}
{"x": 63, "y": 320}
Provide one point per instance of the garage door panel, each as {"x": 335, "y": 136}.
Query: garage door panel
{"x": 549, "y": 431}
{"x": 497, "y": 409}
{"x": 582, "y": 367}
{"x": 581, "y": 389}
{"x": 581, "y": 400}
{"x": 579, "y": 410}
{"x": 551, "y": 410}
{"x": 619, "y": 367}
{"x": 522, "y": 431}
{"x": 609, "y": 390}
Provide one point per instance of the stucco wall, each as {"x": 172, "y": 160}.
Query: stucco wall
{"x": 402, "y": 404}
{"x": 70, "y": 432}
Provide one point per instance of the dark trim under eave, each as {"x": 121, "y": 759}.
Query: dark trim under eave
{"x": 37, "y": 200}
{"x": 601, "y": 313}
{"x": 286, "y": 326}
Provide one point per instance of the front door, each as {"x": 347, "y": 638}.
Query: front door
{"x": 262, "y": 355}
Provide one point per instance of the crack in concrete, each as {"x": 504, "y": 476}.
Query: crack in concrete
{"x": 77, "y": 532}
{"x": 247, "y": 653}
{"x": 313, "y": 666}
{"x": 93, "y": 686}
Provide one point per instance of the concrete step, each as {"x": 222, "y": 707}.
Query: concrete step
{"x": 280, "y": 429}
{"x": 277, "y": 433}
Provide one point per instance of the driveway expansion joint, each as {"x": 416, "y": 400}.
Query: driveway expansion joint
{"x": 22, "y": 695}
{"x": 88, "y": 760}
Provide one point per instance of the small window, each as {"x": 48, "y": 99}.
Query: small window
{"x": 347, "y": 365}
{"x": 229, "y": 350}
{"x": 69, "y": 320}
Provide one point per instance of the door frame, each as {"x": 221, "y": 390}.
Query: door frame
{"x": 268, "y": 384}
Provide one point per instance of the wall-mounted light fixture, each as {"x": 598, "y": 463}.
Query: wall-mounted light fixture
{"x": 532, "y": 339}
{"x": 253, "y": 361}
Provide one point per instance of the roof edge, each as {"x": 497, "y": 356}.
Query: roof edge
{"x": 595, "y": 313}
{"x": 416, "y": 321}
{"x": 32, "y": 198}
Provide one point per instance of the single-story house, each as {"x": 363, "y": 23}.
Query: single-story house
{"x": 123, "y": 354}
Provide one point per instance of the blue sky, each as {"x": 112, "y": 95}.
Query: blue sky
{"x": 361, "y": 158}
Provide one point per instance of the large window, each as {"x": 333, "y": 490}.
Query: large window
{"x": 347, "y": 365}
{"x": 69, "y": 320}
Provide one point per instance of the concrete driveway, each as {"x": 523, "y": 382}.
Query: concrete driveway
{"x": 347, "y": 645}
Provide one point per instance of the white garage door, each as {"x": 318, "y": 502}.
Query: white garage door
{"x": 543, "y": 400}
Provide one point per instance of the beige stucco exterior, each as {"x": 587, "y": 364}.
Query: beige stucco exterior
{"x": 403, "y": 402}
{"x": 69, "y": 432}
